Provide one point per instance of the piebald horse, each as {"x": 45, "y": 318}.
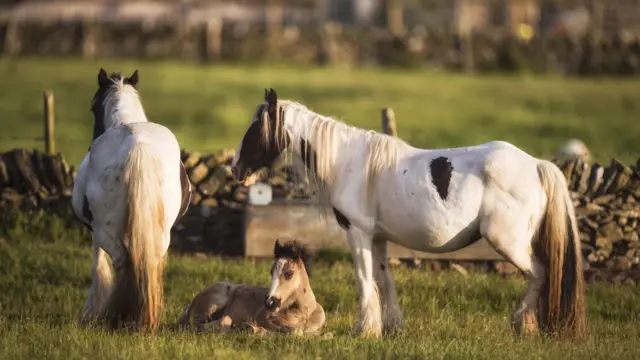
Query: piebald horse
{"x": 433, "y": 200}
{"x": 129, "y": 190}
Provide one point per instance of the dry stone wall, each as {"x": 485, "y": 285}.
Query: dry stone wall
{"x": 606, "y": 199}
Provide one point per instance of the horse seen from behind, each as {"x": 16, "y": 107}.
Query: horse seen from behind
{"x": 434, "y": 200}
{"x": 289, "y": 305}
{"x": 129, "y": 190}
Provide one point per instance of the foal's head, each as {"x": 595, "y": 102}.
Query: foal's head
{"x": 107, "y": 85}
{"x": 264, "y": 140}
{"x": 290, "y": 272}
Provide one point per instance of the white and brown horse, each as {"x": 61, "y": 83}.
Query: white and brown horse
{"x": 129, "y": 190}
{"x": 437, "y": 200}
{"x": 289, "y": 305}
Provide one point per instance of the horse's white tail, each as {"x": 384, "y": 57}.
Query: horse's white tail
{"x": 139, "y": 294}
{"x": 562, "y": 306}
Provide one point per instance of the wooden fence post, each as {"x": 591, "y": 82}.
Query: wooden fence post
{"x": 49, "y": 123}
{"x": 213, "y": 36}
{"x": 389, "y": 122}
{"x": 395, "y": 21}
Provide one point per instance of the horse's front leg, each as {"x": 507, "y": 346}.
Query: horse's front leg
{"x": 391, "y": 314}
{"x": 101, "y": 279}
{"x": 370, "y": 319}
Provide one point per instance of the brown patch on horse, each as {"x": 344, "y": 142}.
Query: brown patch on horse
{"x": 441, "y": 175}
{"x": 185, "y": 184}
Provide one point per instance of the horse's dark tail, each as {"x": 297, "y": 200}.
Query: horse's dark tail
{"x": 562, "y": 298}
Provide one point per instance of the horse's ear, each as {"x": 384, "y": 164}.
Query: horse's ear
{"x": 133, "y": 79}
{"x": 272, "y": 101}
{"x": 266, "y": 95}
{"x": 103, "y": 78}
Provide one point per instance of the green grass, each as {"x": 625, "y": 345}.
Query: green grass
{"x": 208, "y": 107}
{"x": 45, "y": 274}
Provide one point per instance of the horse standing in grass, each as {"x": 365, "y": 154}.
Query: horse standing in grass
{"x": 289, "y": 305}
{"x": 129, "y": 190}
{"x": 380, "y": 188}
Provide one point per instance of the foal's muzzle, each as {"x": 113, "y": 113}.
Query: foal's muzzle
{"x": 271, "y": 303}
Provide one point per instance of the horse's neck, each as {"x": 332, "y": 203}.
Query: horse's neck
{"x": 304, "y": 296}
{"x": 126, "y": 110}
{"x": 299, "y": 123}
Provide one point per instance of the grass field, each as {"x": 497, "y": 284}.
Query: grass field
{"x": 45, "y": 265}
{"x": 45, "y": 274}
{"x": 208, "y": 107}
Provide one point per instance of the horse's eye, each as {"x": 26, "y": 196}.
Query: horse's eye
{"x": 288, "y": 274}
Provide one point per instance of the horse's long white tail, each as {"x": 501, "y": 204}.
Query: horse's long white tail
{"x": 558, "y": 247}
{"x": 139, "y": 290}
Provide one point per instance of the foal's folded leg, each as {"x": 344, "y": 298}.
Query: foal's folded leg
{"x": 316, "y": 321}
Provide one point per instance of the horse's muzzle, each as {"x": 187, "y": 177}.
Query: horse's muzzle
{"x": 239, "y": 173}
{"x": 271, "y": 303}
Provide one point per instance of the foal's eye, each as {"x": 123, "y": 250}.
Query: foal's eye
{"x": 288, "y": 274}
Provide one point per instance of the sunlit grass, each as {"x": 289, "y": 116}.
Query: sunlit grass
{"x": 45, "y": 275}
{"x": 208, "y": 107}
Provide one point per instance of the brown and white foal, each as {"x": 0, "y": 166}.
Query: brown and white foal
{"x": 289, "y": 305}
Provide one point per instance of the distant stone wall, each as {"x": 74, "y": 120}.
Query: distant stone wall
{"x": 606, "y": 199}
{"x": 212, "y": 41}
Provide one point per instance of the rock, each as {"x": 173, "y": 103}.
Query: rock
{"x": 210, "y": 202}
{"x": 217, "y": 180}
{"x": 572, "y": 150}
{"x": 632, "y": 236}
{"x": 610, "y": 232}
{"x": 191, "y": 160}
{"x": 595, "y": 179}
{"x": 198, "y": 173}
{"x": 623, "y": 176}
{"x": 603, "y": 199}
{"x": 607, "y": 179}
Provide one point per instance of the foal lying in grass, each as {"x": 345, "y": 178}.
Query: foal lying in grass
{"x": 288, "y": 306}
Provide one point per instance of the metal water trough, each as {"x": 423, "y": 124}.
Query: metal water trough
{"x": 299, "y": 219}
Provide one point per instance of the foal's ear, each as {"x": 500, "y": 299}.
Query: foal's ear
{"x": 133, "y": 79}
{"x": 266, "y": 95}
{"x": 103, "y": 78}
{"x": 276, "y": 248}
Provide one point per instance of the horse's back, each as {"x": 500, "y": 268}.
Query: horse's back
{"x": 246, "y": 302}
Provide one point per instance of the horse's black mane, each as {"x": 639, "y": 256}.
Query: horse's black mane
{"x": 295, "y": 251}
{"x": 114, "y": 76}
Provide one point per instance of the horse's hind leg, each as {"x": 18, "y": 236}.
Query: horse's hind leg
{"x": 391, "y": 314}
{"x": 511, "y": 236}
{"x": 101, "y": 279}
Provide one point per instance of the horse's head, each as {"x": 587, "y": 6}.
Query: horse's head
{"x": 106, "y": 85}
{"x": 289, "y": 273}
{"x": 264, "y": 140}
